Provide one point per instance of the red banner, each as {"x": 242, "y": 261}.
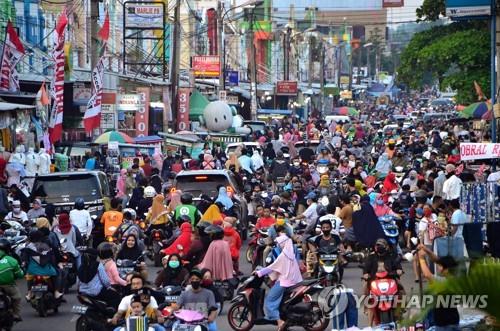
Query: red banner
{"x": 206, "y": 65}
{"x": 183, "y": 111}
{"x": 286, "y": 87}
{"x": 142, "y": 114}
{"x": 13, "y": 52}
{"x": 57, "y": 86}
{"x": 392, "y": 3}
{"x": 212, "y": 31}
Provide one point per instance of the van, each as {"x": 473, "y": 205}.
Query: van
{"x": 338, "y": 119}
{"x": 429, "y": 117}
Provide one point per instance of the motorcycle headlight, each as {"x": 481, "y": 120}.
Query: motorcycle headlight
{"x": 328, "y": 268}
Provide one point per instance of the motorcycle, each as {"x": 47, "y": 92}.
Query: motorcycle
{"x": 156, "y": 238}
{"x": 256, "y": 246}
{"x": 390, "y": 227}
{"x": 189, "y": 320}
{"x": 383, "y": 290}
{"x": 68, "y": 264}
{"x": 127, "y": 266}
{"x": 6, "y": 322}
{"x": 226, "y": 290}
{"x": 280, "y": 184}
{"x": 329, "y": 269}
{"x": 298, "y": 308}
{"x": 43, "y": 298}
{"x": 92, "y": 315}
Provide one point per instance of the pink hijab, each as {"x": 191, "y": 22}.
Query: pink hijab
{"x": 120, "y": 183}
{"x": 218, "y": 260}
{"x": 380, "y": 210}
{"x": 285, "y": 267}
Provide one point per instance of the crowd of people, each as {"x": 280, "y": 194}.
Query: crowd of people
{"x": 332, "y": 191}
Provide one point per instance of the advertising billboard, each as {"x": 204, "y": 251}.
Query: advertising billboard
{"x": 462, "y": 9}
{"x": 206, "y": 65}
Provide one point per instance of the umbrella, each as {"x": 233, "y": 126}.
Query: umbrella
{"x": 346, "y": 111}
{"x": 478, "y": 110}
{"x": 120, "y": 137}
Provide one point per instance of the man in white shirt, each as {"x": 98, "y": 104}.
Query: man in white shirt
{"x": 452, "y": 185}
{"x": 17, "y": 214}
{"x": 80, "y": 217}
{"x": 310, "y": 214}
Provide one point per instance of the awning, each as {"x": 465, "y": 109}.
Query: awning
{"x": 148, "y": 139}
{"x": 7, "y": 106}
{"x": 274, "y": 112}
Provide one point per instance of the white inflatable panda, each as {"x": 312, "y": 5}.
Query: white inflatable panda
{"x": 219, "y": 117}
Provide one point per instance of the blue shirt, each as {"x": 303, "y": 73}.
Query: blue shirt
{"x": 90, "y": 164}
{"x": 95, "y": 286}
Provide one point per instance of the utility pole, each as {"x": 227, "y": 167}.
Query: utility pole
{"x": 311, "y": 64}
{"x": 339, "y": 65}
{"x": 253, "y": 81}
{"x": 220, "y": 41}
{"x": 174, "y": 78}
{"x": 321, "y": 77}
{"x": 94, "y": 27}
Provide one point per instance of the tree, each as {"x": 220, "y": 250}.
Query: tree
{"x": 455, "y": 55}
{"x": 431, "y": 9}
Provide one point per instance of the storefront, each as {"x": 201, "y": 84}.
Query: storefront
{"x": 15, "y": 122}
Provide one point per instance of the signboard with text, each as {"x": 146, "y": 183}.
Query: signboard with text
{"x": 142, "y": 114}
{"x": 461, "y": 9}
{"x": 128, "y": 102}
{"x": 232, "y": 78}
{"x": 478, "y": 151}
{"x": 183, "y": 111}
{"x": 206, "y": 65}
{"x": 392, "y": 3}
{"x": 108, "y": 117}
{"x": 144, "y": 15}
{"x": 286, "y": 87}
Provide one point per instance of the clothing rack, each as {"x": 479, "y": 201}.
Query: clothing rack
{"x": 481, "y": 201}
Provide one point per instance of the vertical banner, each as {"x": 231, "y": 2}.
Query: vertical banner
{"x": 142, "y": 114}
{"x": 212, "y": 31}
{"x": 92, "y": 117}
{"x": 13, "y": 51}
{"x": 57, "y": 86}
{"x": 183, "y": 111}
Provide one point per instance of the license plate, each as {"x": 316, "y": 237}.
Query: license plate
{"x": 39, "y": 288}
{"x": 125, "y": 270}
{"x": 223, "y": 285}
{"x": 77, "y": 309}
{"x": 171, "y": 298}
{"x": 328, "y": 257}
{"x": 68, "y": 265}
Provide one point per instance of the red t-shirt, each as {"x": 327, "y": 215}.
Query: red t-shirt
{"x": 265, "y": 222}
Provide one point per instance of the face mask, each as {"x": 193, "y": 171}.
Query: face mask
{"x": 296, "y": 164}
{"x": 380, "y": 202}
{"x": 134, "y": 175}
{"x": 352, "y": 164}
{"x": 326, "y": 233}
{"x": 427, "y": 213}
{"x": 195, "y": 284}
{"x": 412, "y": 177}
{"x": 174, "y": 264}
{"x": 381, "y": 250}
{"x": 16, "y": 209}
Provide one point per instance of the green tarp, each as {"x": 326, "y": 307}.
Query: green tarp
{"x": 197, "y": 103}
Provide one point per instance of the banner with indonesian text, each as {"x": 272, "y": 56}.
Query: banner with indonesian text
{"x": 478, "y": 151}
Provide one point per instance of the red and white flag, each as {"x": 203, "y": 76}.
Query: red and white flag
{"x": 13, "y": 51}
{"x": 92, "y": 117}
{"x": 57, "y": 86}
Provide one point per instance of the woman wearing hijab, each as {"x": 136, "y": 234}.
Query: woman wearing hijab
{"x": 389, "y": 183}
{"x": 269, "y": 154}
{"x": 232, "y": 163}
{"x": 182, "y": 244}
{"x": 173, "y": 272}
{"x": 94, "y": 280}
{"x": 367, "y": 228}
{"x": 257, "y": 161}
{"x": 234, "y": 240}
{"x": 175, "y": 200}
{"x": 132, "y": 251}
{"x": 121, "y": 187}
{"x": 380, "y": 208}
{"x": 158, "y": 214}
{"x": 212, "y": 214}
{"x": 66, "y": 231}
{"x": 383, "y": 166}
{"x": 208, "y": 162}
{"x": 224, "y": 198}
{"x": 285, "y": 271}
{"x": 218, "y": 256}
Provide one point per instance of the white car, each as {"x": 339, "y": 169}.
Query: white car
{"x": 248, "y": 144}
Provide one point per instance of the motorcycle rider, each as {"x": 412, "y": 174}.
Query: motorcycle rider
{"x": 187, "y": 208}
{"x": 112, "y": 219}
{"x": 17, "y": 214}
{"x": 199, "y": 299}
{"x": 146, "y": 202}
{"x": 279, "y": 168}
{"x": 328, "y": 238}
{"x": 9, "y": 272}
{"x": 80, "y": 217}
{"x": 382, "y": 257}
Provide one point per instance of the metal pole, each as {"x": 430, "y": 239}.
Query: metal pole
{"x": 174, "y": 78}
{"x": 321, "y": 78}
{"x": 220, "y": 41}
{"x": 493, "y": 73}
{"x": 254, "y": 68}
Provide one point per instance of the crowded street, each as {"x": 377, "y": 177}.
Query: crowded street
{"x": 240, "y": 165}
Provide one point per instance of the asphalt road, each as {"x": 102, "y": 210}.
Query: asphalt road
{"x": 64, "y": 320}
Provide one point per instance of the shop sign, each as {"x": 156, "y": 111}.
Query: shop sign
{"x": 81, "y": 93}
{"x": 142, "y": 114}
{"x": 232, "y": 78}
{"x": 108, "y": 117}
{"x": 232, "y": 100}
{"x": 346, "y": 94}
{"x": 206, "y": 65}
{"x": 461, "y": 9}
{"x": 183, "y": 111}
{"x": 286, "y": 87}
{"x": 392, "y": 3}
{"x": 344, "y": 80}
{"x": 128, "y": 102}
{"x": 478, "y": 151}
{"x": 144, "y": 15}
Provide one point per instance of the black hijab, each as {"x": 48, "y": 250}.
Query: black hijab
{"x": 127, "y": 253}
{"x": 367, "y": 228}
{"x": 89, "y": 267}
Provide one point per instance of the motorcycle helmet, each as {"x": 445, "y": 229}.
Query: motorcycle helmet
{"x": 321, "y": 210}
{"x": 79, "y": 203}
{"x": 5, "y": 245}
{"x": 215, "y": 232}
{"x": 132, "y": 213}
{"x": 381, "y": 246}
{"x": 105, "y": 251}
{"x": 149, "y": 192}
{"x": 186, "y": 199}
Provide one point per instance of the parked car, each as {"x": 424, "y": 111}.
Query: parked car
{"x": 248, "y": 144}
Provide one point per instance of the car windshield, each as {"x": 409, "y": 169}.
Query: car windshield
{"x": 59, "y": 189}
{"x": 201, "y": 184}
{"x": 256, "y": 126}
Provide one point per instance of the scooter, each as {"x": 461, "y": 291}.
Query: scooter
{"x": 256, "y": 246}
{"x": 329, "y": 269}
{"x": 6, "y": 322}
{"x": 43, "y": 298}
{"x": 92, "y": 315}
{"x": 383, "y": 290}
{"x": 189, "y": 320}
{"x": 127, "y": 266}
{"x": 298, "y": 306}
{"x": 391, "y": 229}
